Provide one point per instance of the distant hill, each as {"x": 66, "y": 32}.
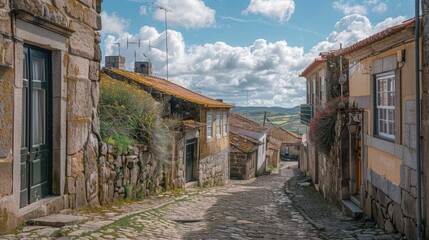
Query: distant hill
{"x": 287, "y": 118}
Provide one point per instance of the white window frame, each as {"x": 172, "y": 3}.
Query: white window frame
{"x": 218, "y": 126}
{"x": 385, "y": 105}
{"x": 209, "y": 126}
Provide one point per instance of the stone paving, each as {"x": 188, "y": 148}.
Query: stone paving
{"x": 262, "y": 208}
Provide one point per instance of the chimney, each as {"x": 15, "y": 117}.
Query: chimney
{"x": 143, "y": 67}
{"x": 115, "y": 62}
{"x": 219, "y": 100}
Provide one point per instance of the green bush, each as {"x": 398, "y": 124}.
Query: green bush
{"x": 130, "y": 116}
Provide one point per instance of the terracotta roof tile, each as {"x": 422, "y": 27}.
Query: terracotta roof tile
{"x": 312, "y": 66}
{"x": 243, "y": 143}
{"x": 236, "y": 120}
{"x": 168, "y": 87}
{"x": 193, "y": 124}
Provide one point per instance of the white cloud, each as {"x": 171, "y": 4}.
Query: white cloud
{"x": 113, "y": 24}
{"x": 380, "y": 8}
{"x": 219, "y": 70}
{"x": 276, "y": 9}
{"x": 351, "y": 29}
{"x": 349, "y": 7}
{"x": 186, "y": 13}
{"x": 143, "y": 10}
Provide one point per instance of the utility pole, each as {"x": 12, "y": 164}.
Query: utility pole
{"x": 265, "y": 117}
{"x": 166, "y": 29}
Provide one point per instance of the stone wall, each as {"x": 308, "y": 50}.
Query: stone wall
{"x": 392, "y": 207}
{"x": 214, "y": 169}
{"x": 111, "y": 174}
{"x": 68, "y": 29}
{"x": 242, "y": 165}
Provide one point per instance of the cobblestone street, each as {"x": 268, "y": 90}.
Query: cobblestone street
{"x": 262, "y": 208}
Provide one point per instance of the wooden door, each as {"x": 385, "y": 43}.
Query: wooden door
{"x": 35, "y": 134}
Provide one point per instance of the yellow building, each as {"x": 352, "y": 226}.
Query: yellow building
{"x": 382, "y": 160}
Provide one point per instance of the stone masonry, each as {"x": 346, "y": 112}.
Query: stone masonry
{"x": 214, "y": 169}
{"x": 68, "y": 30}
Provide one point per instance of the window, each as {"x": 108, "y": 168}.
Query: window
{"x": 225, "y": 123}
{"x": 218, "y": 125}
{"x": 385, "y": 105}
{"x": 209, "y": 123}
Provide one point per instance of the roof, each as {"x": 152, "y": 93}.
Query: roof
{"x": 192, "y": 124}
{"x": 165, "y": 86}
{"x": 271, "y": 130}
{"x": 312, "y": 66}
{"x": 376, "y": 37}
{"x": 243, "y": 143}
{"x": 274, "y": 143}
{"x": 238, "y": 121}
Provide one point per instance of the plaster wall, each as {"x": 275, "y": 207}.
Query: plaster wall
{"x": 385, "y": 165}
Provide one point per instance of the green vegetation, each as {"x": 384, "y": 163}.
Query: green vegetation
{"x": 129, "y": 115}
{"x": 287, "y": 118}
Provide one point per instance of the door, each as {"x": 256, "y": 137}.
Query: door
{"x": 358, "y": 162}
{"x": 35, "y": 134}
{"x": 190, "y": 153}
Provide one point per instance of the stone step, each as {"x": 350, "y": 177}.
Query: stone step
{"x": 355, "y": 199}
{"x": 352, "y": 210}
{"x": 192, "y": 184}
{"x": 56, "y": 220}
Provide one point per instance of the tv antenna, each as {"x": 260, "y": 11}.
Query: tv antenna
{"x": 135, "y": 43}
{"x": 166, "y": 29}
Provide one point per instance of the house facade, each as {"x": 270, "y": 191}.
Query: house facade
{"x": 246, "y": 127}
{"x": 289, "y": 141}
{"x": 382, "y": 148}
{"x": 202, "y": 146}
{"x": 48, "y": 96}
{"x": 323, "y": 86}
{"x": 243, "y": 156}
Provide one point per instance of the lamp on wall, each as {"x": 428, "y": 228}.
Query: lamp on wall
{"x": 355, "y": 118}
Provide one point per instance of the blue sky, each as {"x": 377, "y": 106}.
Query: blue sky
{"x": 223, "y": 48}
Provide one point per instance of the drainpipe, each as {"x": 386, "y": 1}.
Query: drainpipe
{"x": 417, "y": 79}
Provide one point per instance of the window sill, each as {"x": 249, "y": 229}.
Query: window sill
{"x": 209, "y": 139}
{"x": 384, "y": 138}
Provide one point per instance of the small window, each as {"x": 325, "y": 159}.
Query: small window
{"x": 209, "y": 123}
{"x": 385, "y": 105}
{"x": 218, "y": 125}
{"x": 225, "y": 123}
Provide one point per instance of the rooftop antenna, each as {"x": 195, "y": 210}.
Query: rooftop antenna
{"x": 166, "y": 29}
{"x": 136, "y": 43}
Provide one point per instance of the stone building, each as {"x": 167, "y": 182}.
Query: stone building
{"x": 248, "y": 128}
{"x": 289, "y": 141}
{"x": 243, "y": 156}
{"x": 322, "y": 78}
{"x": 382, "y": 156}
{"x": 49, "y": 73}
{"x": 203, "y": 144}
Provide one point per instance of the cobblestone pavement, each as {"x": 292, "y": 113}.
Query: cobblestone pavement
{"x": 262, "y": 208}
{"x": 332, "y": 223}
